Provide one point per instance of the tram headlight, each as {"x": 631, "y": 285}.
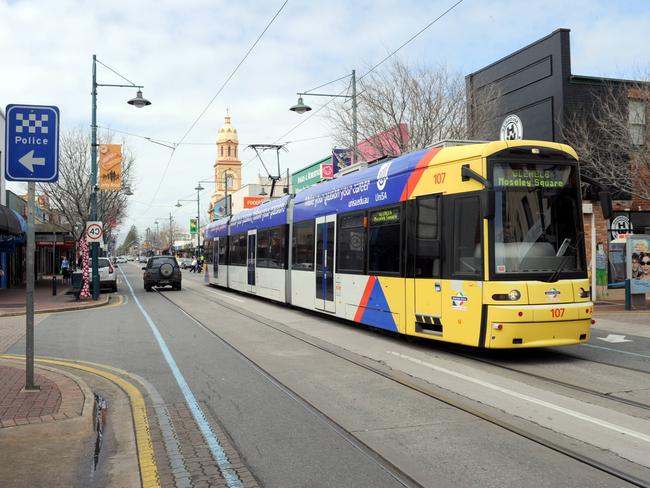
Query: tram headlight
{"x": 514, "y": 295}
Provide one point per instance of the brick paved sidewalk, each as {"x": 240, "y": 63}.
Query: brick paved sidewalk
{"x": 12, "y": 300}
{"x": 59, "y": 397}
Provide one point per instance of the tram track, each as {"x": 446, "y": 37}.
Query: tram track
{"x": 406, "y": 382}
{"x": 400, "y": 476}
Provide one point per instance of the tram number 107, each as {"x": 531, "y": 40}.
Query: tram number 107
{"x": 557, "y": 313}
{"x": 439, "y": 178}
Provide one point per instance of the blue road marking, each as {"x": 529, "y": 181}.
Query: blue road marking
{"x": 218, "y": 454}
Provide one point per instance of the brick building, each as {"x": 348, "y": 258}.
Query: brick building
{"x": 537, "y": 95}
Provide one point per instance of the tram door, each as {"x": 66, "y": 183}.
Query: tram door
{"x": 325, "y": 232}
{"x": 215, "y": 258}
{"x": 425, "y": 234}
{"x": 250, "y": 259}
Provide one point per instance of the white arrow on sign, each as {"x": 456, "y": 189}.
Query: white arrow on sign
{"x": 29, "y": 161}
{"x": 614, "y": 338}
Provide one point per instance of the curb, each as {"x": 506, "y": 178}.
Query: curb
{"x": 99, "y": 303}
{"x": 148, "y": 470}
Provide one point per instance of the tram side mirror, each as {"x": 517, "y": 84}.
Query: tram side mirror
{"x": 606, "y": 204}
{"x": 487, "y": 203}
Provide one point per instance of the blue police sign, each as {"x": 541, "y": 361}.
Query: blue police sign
{"x": 32, "y": 143}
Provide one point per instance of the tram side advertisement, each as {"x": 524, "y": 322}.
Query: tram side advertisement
{"x": 638, "y": 263}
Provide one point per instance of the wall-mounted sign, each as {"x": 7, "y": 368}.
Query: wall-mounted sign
{"x": 252, "y": 202}
{"x": 512, "y": 128}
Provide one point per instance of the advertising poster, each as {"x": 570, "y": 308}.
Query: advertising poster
{"x": 110, "y": 166}
{"x": 638, "y": 263}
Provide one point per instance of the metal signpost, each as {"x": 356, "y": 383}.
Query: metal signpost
{"x": 32, "y": 154}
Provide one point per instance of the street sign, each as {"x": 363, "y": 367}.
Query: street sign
{"x": 94, "y": 231}
{"x": 32, "y": 143}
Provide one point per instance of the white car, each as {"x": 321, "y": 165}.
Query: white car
{"x": 107, "y": 274}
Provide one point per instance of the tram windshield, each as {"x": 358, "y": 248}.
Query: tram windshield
{"x": 537, "y": 225}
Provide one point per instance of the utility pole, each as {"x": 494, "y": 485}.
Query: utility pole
{"x": 171, "y": 234}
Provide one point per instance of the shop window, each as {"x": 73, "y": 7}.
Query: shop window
{"x": 637, "y": 121}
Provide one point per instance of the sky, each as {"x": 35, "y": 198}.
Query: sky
{"x": 184, "y": 51}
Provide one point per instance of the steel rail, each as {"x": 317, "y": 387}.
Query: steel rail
{"x": 411, "y": 384}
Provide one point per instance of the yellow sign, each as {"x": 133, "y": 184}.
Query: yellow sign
{"x": 110, "y": 166}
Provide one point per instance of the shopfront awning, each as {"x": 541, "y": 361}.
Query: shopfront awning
{"x": 9, "y": 223}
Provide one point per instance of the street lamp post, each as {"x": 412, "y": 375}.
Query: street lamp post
{"x": 301, "y": 108}
{"x": 139, "y": 101}
{"x": 198, "y": 216}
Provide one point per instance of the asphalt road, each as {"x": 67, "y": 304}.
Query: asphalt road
{"x": 269, "y": 392}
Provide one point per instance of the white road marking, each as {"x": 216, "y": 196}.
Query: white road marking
{"x": 536, "y": 401}
{"x": 614, "y": 338}
{"x": 616, "y": 350}
{"x": 226, "y": 296}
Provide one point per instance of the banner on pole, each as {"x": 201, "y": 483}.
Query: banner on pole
{"x": 110, "y": 166}
{"x": 193, "y": 226}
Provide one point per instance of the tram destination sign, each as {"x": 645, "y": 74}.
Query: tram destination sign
{"x": 545, "y": 176}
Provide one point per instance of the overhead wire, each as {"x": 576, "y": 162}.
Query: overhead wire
{"x": 413, "y": 37}
{"x": 268, "y": 25}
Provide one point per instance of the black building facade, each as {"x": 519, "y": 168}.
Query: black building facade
{"x": 534, "y": 94}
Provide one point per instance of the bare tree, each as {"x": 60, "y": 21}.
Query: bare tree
{"x": 71, "y": 194}
{"x": 431, "y": 101}
{"x": 611, "y": 136}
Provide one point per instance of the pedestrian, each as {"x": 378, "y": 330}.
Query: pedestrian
{"x": 194, "y": 264}
{"x": 65, "y": 269}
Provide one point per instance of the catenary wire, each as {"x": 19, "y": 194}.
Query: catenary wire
{"x": 268, "y": 25}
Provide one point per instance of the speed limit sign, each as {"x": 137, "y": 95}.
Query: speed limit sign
{"x": 94, "y": 231}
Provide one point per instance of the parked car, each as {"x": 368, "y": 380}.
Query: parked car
{"x": 142, "y": 259}
{"x": 107, "y": 275}
{"x": 185, "y": 263}
{"x": 162, "y": 271}
{"x": 121, "y": 259}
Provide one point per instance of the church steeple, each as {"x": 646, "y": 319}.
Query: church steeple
{"x": 227, "y": 165}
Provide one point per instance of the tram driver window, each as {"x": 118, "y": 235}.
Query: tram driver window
{"x": 467, "y": 250}
{"x": 384, "y": 234}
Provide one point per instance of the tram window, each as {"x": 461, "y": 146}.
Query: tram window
{"x": 384, "y": 234}
{"x": 223, "y": 250}
{"x": 238, "y": 249}
{"x": 427, "y": 237}
{"x": 277, "y": 247}
{"x": 209, "y": 246}
{"x": 351, "y": 243}
{"x": 303, "y": 246}
{"x": 468, "y": 254}
{"x": 262, "y": 248}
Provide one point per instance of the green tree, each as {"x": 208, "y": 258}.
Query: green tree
{"x": 130, "y": 239}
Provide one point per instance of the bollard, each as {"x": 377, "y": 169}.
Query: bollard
{"x": 53, "y": 285}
